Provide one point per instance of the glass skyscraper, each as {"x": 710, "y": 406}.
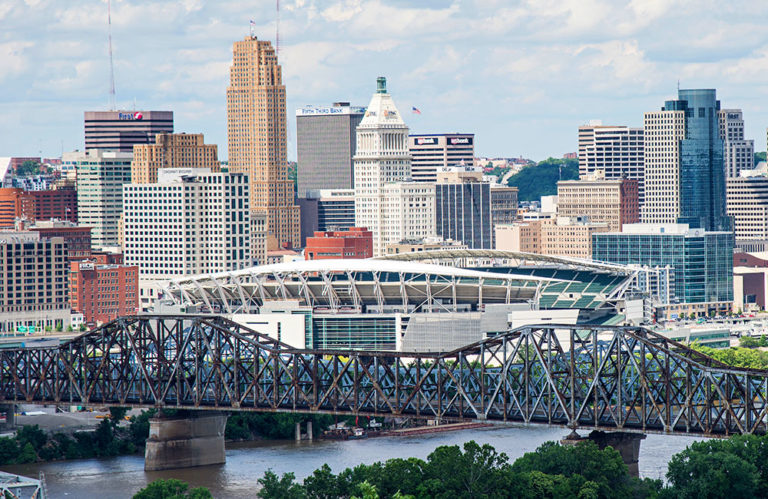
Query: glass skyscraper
{"x": 684, "y": 166}
{"x": 702, "y": 261}
{"x": 702, "y": 170}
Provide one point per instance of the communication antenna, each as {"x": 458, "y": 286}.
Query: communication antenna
{"x": 111, "y": 64}
{"x": 277, "y": 27}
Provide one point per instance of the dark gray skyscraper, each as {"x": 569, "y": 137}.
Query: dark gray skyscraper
{"x": 463, "y": 208}
{"x": 325, "y": 143}
{"x": 121, "y": 130}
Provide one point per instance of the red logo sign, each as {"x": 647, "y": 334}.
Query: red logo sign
{"x": 137, "y": 116}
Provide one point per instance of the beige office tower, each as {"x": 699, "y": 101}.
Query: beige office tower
{"x": 256, "y": 138}
{"x": 616, "y": 151}
{"x": 172, "y": 150}
{"x": 738, "y": 153}
{"x": 663, "y": 132}
{"x": 386, "y": 202}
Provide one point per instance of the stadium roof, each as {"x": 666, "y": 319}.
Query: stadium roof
{"x": 519, "y": 256}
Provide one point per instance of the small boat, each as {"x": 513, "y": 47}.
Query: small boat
{"x": 358, "y": 433}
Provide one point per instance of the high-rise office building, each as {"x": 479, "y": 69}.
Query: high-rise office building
{"x": 257, "y": 137}
{"x": 100, "y": 179}
{"x": 684, "y": 170}
{"x": 121, "y": 130}
{"x": 503, "y": 204}
{"x": 186, "y": 224}
{"x": 463, "y": 207}
{"x": 747, "y": 203}
{"x": 618, "y": 151}
{"x": 34, "y": 291}
{"x": 701, "y": 261}
{"x": 431, "y": 152}
{"x": 614, "y": 202}
{"x": 386, "y": 202}
{"x": 325, "y": 146}
{"x": 569, "y": 236}
{"x": 326, "y": 210}
{"x": 738, "y": 153}
{"x": 172, "y": 150}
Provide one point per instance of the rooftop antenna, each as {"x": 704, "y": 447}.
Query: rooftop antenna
{"x": 111, "y": 64}
{"x": 277, "y": 28}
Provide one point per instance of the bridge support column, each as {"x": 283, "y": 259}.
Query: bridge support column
{"x": 627, "y": 444}
{"x": 185, "y": 440}
{"x": 10, "y": 416}
{"x": 298, "y": 432}
{"x": 309, "y": 430}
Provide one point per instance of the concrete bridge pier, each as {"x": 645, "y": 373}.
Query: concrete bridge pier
{"x": 185, "y": 440}
{"x": 626, "y": 443}
{"x": 298, "y": 431}
{"x": 10, "y": 416}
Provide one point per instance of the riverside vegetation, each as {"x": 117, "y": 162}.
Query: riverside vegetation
{"x": 729, "y": 468}
{"x": 31, "y": 444}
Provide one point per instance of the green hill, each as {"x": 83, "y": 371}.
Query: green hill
{"x": 541, "y": 179}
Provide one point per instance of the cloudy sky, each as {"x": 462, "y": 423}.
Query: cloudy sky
{"x": 521, "y": 75}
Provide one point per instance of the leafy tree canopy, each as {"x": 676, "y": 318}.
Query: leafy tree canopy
{"x": 172, "y": 489}
{"x": 541, "y": 179}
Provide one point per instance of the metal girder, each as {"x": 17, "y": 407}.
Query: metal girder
{"x": 605, "y": 377}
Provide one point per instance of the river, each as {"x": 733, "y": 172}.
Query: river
{"x": 123, "y": 476}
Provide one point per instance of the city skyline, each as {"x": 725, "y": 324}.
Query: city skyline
{"x": 521, "y": 78}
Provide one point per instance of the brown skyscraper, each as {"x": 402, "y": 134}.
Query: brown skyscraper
{"x": 172, "y": 150}
{"x": 256, "y": 138}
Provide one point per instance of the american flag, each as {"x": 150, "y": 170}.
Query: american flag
{"x": 415, "y": 110}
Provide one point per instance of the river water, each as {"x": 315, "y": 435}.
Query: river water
{"x": 246, "y": 462}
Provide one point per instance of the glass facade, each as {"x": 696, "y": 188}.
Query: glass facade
{"x": 463, "y": 213}
{"x": 354, "y": 333}
{"x": 702, "y": 168}
{"x": 702, "y": 261}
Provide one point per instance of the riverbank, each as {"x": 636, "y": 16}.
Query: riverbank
{"x": 121, "y": 477}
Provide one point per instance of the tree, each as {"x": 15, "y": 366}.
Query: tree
{"x": 9, "y": 449}
{"x": 172, "y": 489}
{"x": 698, "y": 472}
{"x": 477, "y": 472}
{"x": 759, "y": 156}
{"x": 33, "y": 435}
{"x": 30, "y": 167}
{"x": 366, "y": 491}
{"x": 748, "y": 342}
{"x": 322, "y": 484}
{"x": 274, "y": 487}
{"x": 603, "y": 467}
{"x": 541, "y": 179}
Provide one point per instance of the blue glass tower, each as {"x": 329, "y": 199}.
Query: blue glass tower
{"x": 702, "y": 169}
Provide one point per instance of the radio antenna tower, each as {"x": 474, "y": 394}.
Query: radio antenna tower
{"x": 277, "y": 28}
{"x": 111, "y": 64}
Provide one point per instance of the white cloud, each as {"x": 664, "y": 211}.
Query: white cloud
{"x": 521, "y": 75}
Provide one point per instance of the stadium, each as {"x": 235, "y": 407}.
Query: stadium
{"x": 426, "y": 301}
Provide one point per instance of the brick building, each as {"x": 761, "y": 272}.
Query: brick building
{"x": 16, "y": 203}
{"x": 355, "y": 242}
{"x": 78, "y": 238}
{"x": 103, "y": 292}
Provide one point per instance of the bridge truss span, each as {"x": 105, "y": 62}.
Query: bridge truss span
{"x": 621, "y": 378}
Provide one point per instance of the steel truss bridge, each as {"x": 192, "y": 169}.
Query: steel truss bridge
{"x": 619, "y": 378}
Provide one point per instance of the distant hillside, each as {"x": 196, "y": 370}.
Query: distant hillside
{"x": 541, "y": 179}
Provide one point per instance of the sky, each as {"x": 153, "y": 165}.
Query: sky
{"x": 520, "y": 75}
